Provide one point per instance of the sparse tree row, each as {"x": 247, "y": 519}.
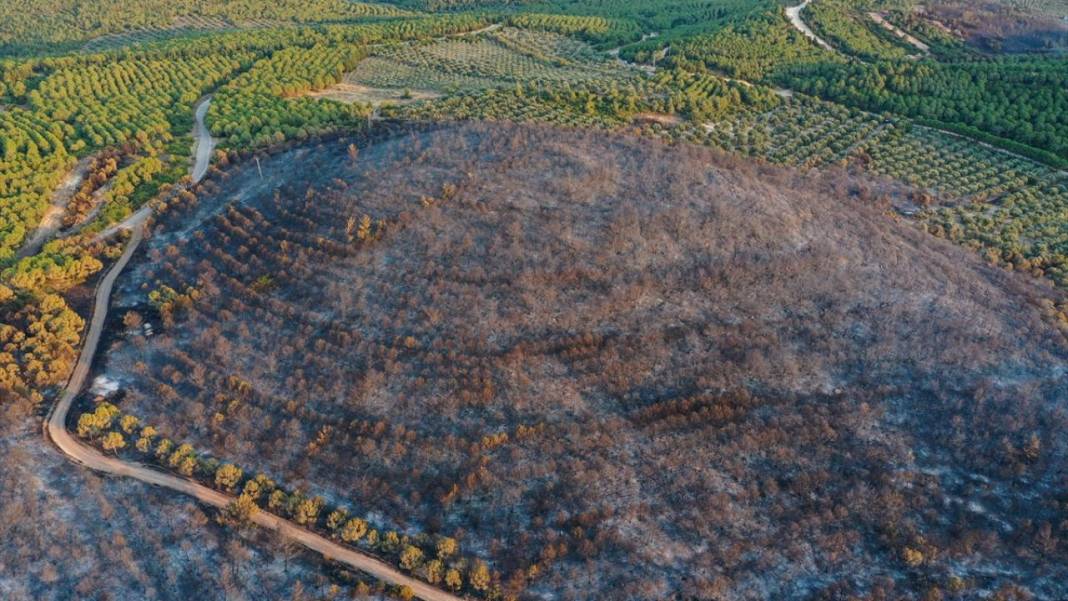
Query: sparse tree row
{"x": 291, "y": 255}
{"x": 435, "y": 559}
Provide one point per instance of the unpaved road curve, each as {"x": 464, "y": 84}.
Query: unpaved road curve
{"x": 56, "y": 428}
{"x": 204, "y": 142}
{"x": 793, "y": 13}
{"x": 204, "y": 145}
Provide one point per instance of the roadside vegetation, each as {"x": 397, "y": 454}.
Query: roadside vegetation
{"x": 846, "y": 26}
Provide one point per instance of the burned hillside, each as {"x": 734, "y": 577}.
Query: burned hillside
{"x": 613, "y": 368}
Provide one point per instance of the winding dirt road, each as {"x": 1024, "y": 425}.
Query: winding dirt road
{"x": 204, "y": 142}
{"x": 793, "y": 13}
{"x": 56, "y": 428}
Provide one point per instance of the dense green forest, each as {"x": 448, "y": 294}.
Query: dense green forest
{"x": 845, "y": 26}
{"x": 1020, "y": 99}
{"x": 751, "y": 49}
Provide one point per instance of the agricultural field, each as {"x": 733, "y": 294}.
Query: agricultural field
{"x": 1024, "y": 105}
{"x": 802, "y": 132}
{"x": 1023, "y": 230}
{"x": 504, "y": 57}
{"x": 951, "y": 168}
{"x": 752, "y": 49}
{"x": 601, "y": 32}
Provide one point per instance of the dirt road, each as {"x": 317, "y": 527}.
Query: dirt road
{"x": 793, "y": 13}
{"x": 904, "y": 35}
{"x": 203, "y": 140}
{"x": 204, "y": 145}
{"x": 90, "y": 457}
{"x": 53, "y": 218}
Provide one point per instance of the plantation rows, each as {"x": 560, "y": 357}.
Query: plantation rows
{"x": 601, "y": 32}
{"x": 847, "y": 28}
{"x": 1026, "y": 230}
{"x": 34, "y": 157}
{"x": 509, "y": 105}
{"x": 800, "y": 132}
{"x": 1017, "y": 103}
{"x": 604, "y": 103}
{"x": 114, "y": 101}
{"x": 748, "y": 50}
{"x": 252, "y": 108}
{"x": 88, "y": 104}
{"x": 547, "y": 47}
{"x": 180, "y": 26}
{"x": 135, "y": 107}
{"x": 509, "y": 57}
{"x": 950, "y": 166}
{"x": 48, "y": 23}
{"x": 674, "y": 19}
{"x": 808, "y": 133}
{"x": 75, "y": 104}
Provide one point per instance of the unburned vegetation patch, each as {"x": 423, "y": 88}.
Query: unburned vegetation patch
{"x": 611, "y": 367}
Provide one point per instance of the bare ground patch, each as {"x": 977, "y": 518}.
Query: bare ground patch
{"x": 350, "y": 92}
